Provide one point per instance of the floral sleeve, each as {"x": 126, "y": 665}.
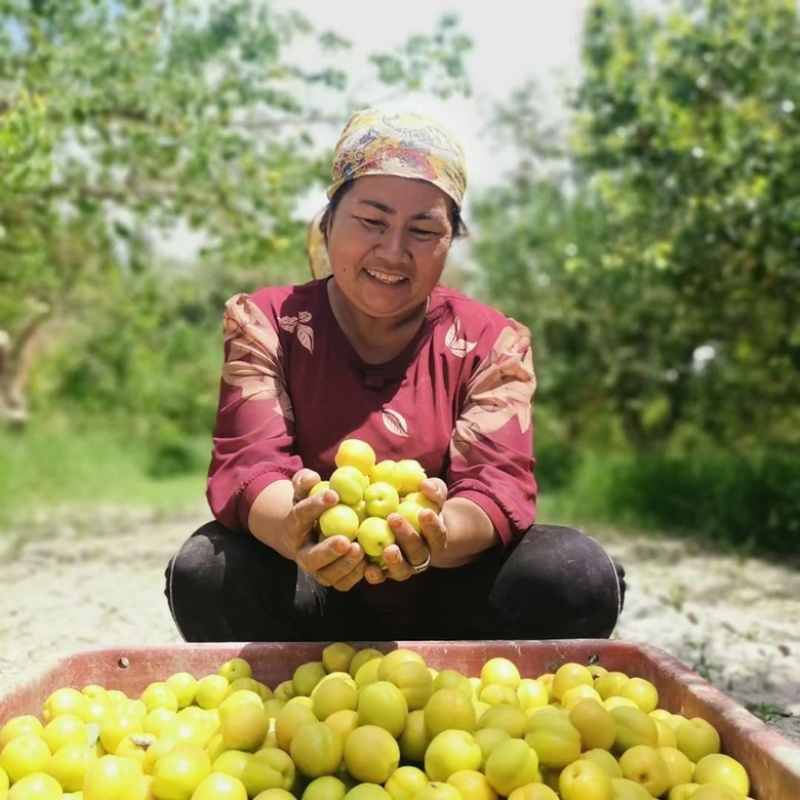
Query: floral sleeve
{"x": 491, "y": 450}
{"x": 253, "y": 434}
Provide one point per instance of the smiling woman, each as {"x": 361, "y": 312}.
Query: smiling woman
{"x": 389, "y": 238}
{"x": 379, "y": 351}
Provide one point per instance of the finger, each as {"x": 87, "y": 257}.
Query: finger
{"x": 412, "y": 546}
{"x": 315, "y": 557}
{"x": 350, "y": 569}
{"x": 374, "y": 574}
{"x": 351, "y": 578}
{"x": 345, "y": 570}
{"x": 397, "y": 566}
{"x": 319, "y": 556}
{"x": 303, "y": 516}
{"x": 433, "y": 530}
{"x": 303, "y": 481}
{"x": 434, "y": 489}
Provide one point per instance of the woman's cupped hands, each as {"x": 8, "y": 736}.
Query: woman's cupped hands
{"x": 337, "y": 561}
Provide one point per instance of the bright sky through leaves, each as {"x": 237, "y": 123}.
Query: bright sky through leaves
{"x": 512, "y": 43}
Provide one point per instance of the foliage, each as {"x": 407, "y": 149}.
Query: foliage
{"x": 147, "y": 358}
{"x": 134, "y": 119}
{"x": 653, "y": 243}
{"x": 750, "y": 504}
{"x": 24, "y": 147}
{"x": 437, "y": 60}
{"x": 61, "y": 469}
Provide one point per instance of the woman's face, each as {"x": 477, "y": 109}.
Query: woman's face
{"x": 388, "y": 241}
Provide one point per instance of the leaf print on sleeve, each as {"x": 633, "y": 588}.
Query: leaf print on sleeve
{"x": 500, "y": 391}
{"x": 305, "y": 333}
{"x": 453, "y": 342}
{"x": 254, "y": 359}
{"x": 395, "y": 422}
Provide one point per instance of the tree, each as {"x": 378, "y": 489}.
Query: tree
{"x": 24, "y": 165}
{"x": 158, "y": 113}
{"x": 657, "y": 260}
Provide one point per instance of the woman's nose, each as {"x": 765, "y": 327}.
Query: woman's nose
{"x": 393, "y": 246}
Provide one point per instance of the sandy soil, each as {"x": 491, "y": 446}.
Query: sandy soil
{"x": 734, "y": 621}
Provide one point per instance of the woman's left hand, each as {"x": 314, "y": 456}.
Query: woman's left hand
{"x": 412, "y": 549}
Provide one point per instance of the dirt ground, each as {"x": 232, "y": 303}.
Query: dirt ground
{"x": 734, "y": 621}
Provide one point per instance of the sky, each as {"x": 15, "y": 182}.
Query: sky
{"x": 513, "y": 40}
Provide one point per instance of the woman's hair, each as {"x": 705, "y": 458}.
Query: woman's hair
{"x": 456, "y": 222}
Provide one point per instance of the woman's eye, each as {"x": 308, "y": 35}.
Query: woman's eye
{"x": 372, "y": 223}
{"x": 423, "y": 232}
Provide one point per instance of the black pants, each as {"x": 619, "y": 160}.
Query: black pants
{"x": 557, "y": 583}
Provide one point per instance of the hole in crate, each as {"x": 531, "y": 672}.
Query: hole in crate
{"x": 123, "y": 663}
{"x": 593, "y": 659}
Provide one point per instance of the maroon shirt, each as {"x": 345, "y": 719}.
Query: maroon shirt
{"x": 457, "y": 399}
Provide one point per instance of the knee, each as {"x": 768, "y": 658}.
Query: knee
{"x": 573, "y": 575}
{"x": 207, "y": 557}
{"x": 558, "y": 550}
{"x": 208, "y": 579}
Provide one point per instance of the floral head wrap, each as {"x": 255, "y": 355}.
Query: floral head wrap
{"x": 401, "y": 143}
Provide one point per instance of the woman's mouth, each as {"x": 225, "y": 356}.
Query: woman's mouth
{"x": 384, "y": 277}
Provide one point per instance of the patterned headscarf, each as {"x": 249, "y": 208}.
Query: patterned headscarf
{"x": 401, "y": 143}
{"x": 405, "y": 144}
{"x": 317, "y": 249}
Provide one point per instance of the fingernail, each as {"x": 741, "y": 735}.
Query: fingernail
{"x": 341, "y": 547}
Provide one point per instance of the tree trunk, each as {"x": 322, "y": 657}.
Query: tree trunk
{"x": 16, "y": 361}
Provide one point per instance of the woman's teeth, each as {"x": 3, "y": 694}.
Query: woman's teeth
{"x": 384, "y": 278}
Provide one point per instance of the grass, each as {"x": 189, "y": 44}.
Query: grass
{"x": 50, "y": 470}
{"x": 749, "y": 505}
{"x": 768, "y": 711}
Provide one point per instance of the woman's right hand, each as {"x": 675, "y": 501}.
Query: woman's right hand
{"x": 334, "y": 561}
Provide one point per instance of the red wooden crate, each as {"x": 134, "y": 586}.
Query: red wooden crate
{"x": 772, "y": 761}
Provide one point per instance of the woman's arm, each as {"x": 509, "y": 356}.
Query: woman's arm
{"x": 256, "y": 482}
{"x": 491, "y": 450}
{"x": 469, "y": 533}
{"x": 490, "y": 495}
{"x": 267, "y": 517}
{"x": 253, "y": 444}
